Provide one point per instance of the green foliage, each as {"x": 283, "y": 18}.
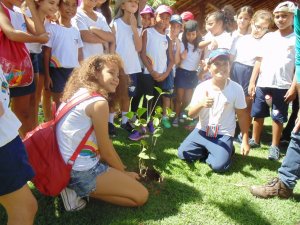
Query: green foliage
{"x": 156, "y": 3}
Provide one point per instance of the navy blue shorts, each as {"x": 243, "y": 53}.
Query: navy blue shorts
{"x": 35, "y": 62}
{"x": 186, "y": 79}
{"x": 40, "y": 58}
{"x": 15, "y": 169}
{"x": 241, "y": 74}
{"x": 260, "y": 108}
{"x": 22, "y": 91}
{"x": 132, "y": 89}
{"x": 59, "y": 77}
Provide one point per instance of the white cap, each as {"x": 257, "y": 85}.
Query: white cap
{"x": 285, "y": 7}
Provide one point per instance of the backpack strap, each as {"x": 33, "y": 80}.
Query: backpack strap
{"x": 70, "y": 105}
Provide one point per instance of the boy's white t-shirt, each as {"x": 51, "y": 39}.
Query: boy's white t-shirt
{"x": 278, "y": 60}
{"x": 223, "y": 109}
{"x": 84, "y": 22}
{"x": 156, "y": 50}
{"x": 9, "y": 123}
{"x": 125, "y": 46}
{"x": 245, "y": 49}
{"x": 72, "y": 128}
{"x": 64, "y": 43}
{"x": 191, "y": 62}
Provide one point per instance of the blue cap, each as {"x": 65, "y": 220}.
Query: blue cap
{"x": 220, "y": 52}
{"x": 176, "y": 19}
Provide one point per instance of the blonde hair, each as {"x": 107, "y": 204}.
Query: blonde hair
{"x": 265, "y": 15}
{"x": 86, "y": 77}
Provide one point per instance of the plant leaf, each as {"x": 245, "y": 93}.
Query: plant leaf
{"x": 149, "y": 97}
{"x": 158, "y": 110}
{"x": 141, "y": 102}
{"x": 144, "y": 144}
{"x": 153, "y": 156}
{"x": 143, "y": 122}
{"x": 158, "y": 90}
{"x": 158, "y": 132}
{"x": 143, "y": 155}
{"x": 140, "y": 112}
{"x": 156, "y": 122}
{"x": 129, "y": 115}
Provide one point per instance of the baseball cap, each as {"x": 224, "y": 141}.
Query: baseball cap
{"x": 163, "y": 9}
{"x": 147, "y": 10}
{"x": 286, "y": 6}
{"x": 219, "y": 52}
{"x": 186, "y": 16}
{"x": 176, "y": 19}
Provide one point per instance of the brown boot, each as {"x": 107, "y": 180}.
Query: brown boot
{"x": 274, "y": 188}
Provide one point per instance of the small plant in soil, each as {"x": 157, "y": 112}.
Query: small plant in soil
{"x": 145, "y": 118}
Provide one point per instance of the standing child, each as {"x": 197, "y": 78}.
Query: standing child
{"x": 15, "y": 170}
{"x": 157, "y": 56}
{"x": 216, "y": 101}
{"x": 16, "y": 29}
{"x": 245, "y": 50}
{"x": 63, "y": 51}
{"x": 147, "y": 15}
{"x": 274, "y": 68}
{"x": 186, "y": 78}
{"x": 128, "y": 45}
{"x": 94, "y": 29}
{"x": 243, "y": 19}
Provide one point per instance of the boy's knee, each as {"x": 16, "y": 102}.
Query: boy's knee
{"x": 180, "y": 153}
{"x": 220, "y": 167}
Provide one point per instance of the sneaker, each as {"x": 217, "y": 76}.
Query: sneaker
{"x": 151, "y": 127}
{"x": 253, "y": 144}
{"x": 166, "y": 123}
{"x": 175, "y": 122}
{"x": 127, "y": 126}
{"x": 135, "y": 136}
{"x": 71, "y": 200}
{"x": 238, "y": 139}
{"x": 182, "y": 117}
{"x": 274, "y": 188}
{"x": 112, "y": 130}
{"x": 274, "y": 153}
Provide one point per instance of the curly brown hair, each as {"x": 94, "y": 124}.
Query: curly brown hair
{"x": 86, "y": 77}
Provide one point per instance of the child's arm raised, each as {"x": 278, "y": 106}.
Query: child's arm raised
{"x": 34, "y": 24}
{"x": 16, "y": 35}
{"x": 137, "y": 39}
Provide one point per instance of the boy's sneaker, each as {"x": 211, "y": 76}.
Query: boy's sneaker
{"x": 135, "y": 136}
{"x": 112, "y": 130}
{"x": 71, "y": 200}
{"x": 253, "y": 144}
{"x": 166, "y": 123}
{"x": 239, "y": 139}
{"x": 175, "y": 122}
{"x": 274, "y": 153}
{"x": 182, "y": 117}
{"x": 272, "y": 189}
{"x": 127, "y": 126}
{"x": 151, "y": 127}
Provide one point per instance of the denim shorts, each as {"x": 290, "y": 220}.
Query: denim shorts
{"x": 35, "y": 62}
{"x": 59, "y": 78}
{"x": 186, "y": 79}
{"x": 84, "y": 182}
{"x": 241, "y": 74}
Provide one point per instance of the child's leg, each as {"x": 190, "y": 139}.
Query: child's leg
{"x": 179, "y": 100}
{"x": 56, "y": 97}
{"x": 46, "y": 104}
{"x": 188, "y": 94}
{"x": 20, "y": 205}
{"x": 258, "y": 124}
{"x": 192, "y": 147}
{"x": 118, "y": 188}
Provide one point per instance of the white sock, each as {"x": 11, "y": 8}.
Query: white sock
{"x": 124, "y": 118}
{"x": 111, "y": 117}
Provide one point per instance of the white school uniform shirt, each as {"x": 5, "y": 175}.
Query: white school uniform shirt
{"x": 223, "y": 110}
{"x": 191, "y": 62}
{"x": 64, "y": 43}
{"x": 84, "y": 22}
{"x": 245, "y": 49}
{"x": 125, "y": 46}
{"x": 9, "y": 123}
{"x": 278, "y": 60}
{"x": 156, "y": 47}
{"x": 72, "y": 128}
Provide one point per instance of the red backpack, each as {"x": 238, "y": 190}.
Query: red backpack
{"x": 52, "y": 174}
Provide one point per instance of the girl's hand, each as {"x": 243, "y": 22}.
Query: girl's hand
{"x": 155, "y": 75}
{"x": 251, "y": 90}
{"x": 213, "y": 45}
{"x": 43, "y": 38}
{"x": 48, "y": 82}
{"x": 133, "y": 175}
{"x": 133, "y": 22}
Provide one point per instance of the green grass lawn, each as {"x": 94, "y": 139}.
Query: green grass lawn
{"x": 189, "y": 194}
